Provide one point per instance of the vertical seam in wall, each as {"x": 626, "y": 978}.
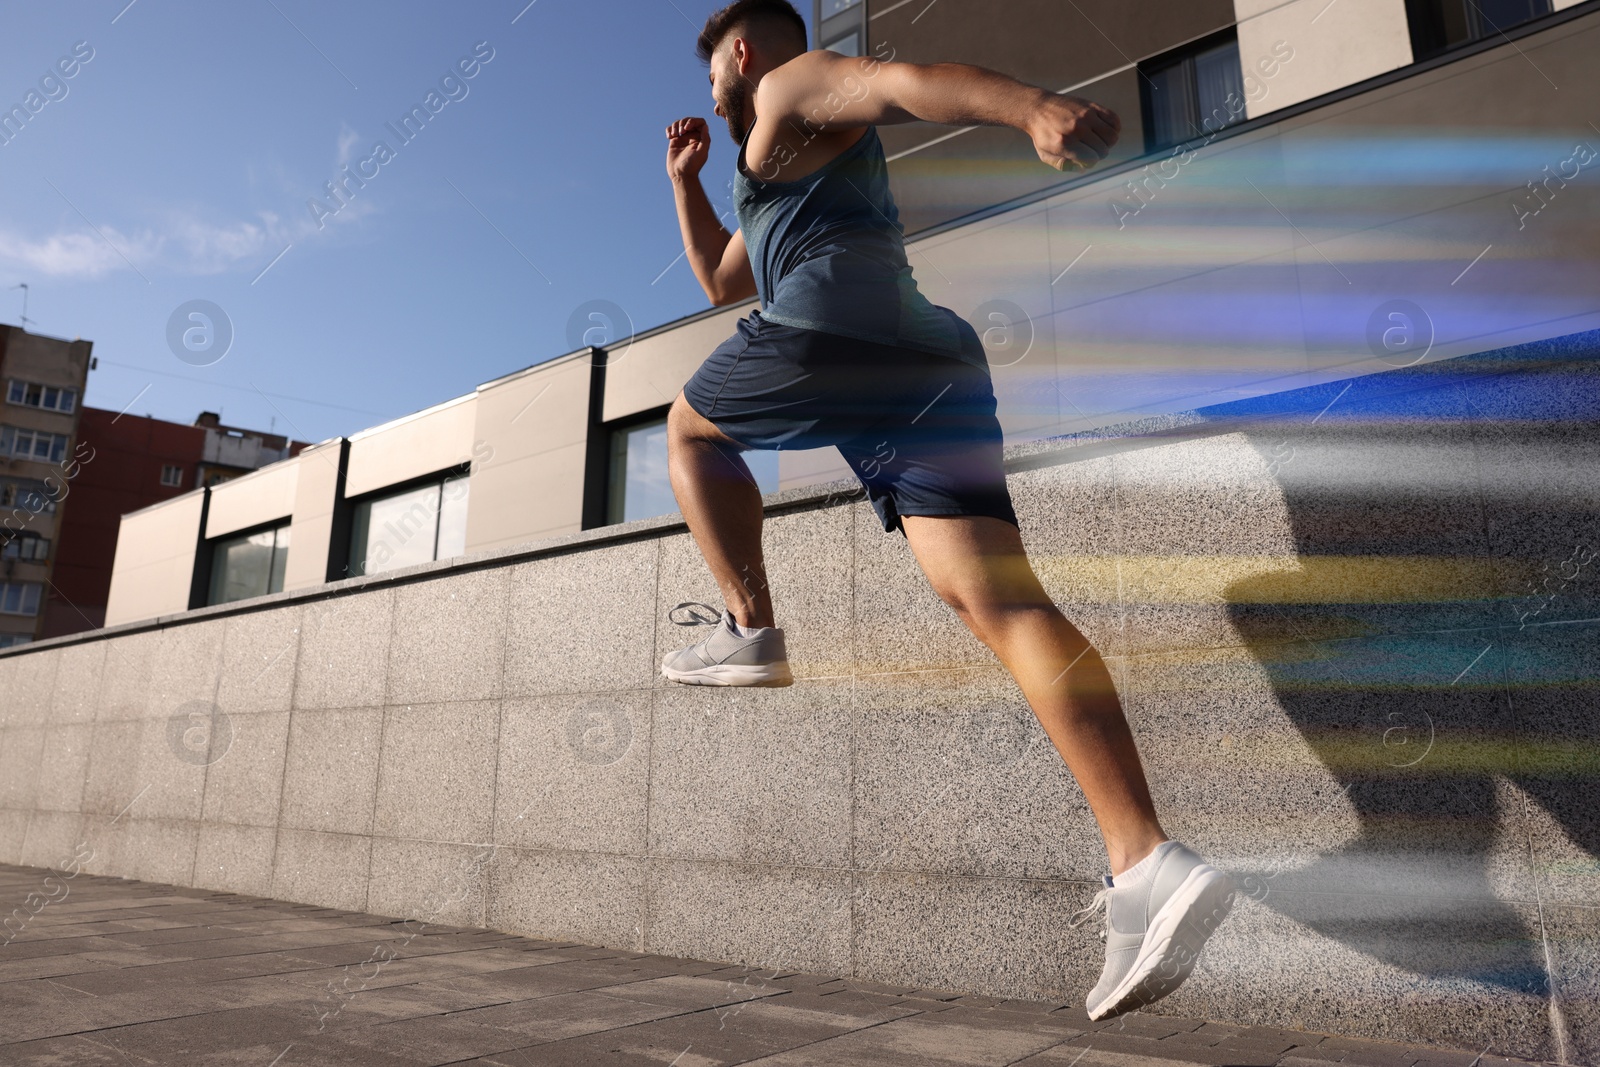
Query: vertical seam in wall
{"x": 94, "y": 705}
{"x": 646, "y": 861}
{"x": 28, "y": 826}
{"x": 38, "y": 762}
{"x": 383, "y": 728}
{"x": 499, "y": 719}
{"x": 853, "y": 879}
{"x": 288, "y": 734}
{"x": 1119, "y": 548}
{"x": 94, "y": 731}
{"x": 1558, "y": 1021}
{"x": 211, "y": 737}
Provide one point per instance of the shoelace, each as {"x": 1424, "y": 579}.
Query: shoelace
{"x": 695, "y": 618}
{"x": 1101, "y": 902}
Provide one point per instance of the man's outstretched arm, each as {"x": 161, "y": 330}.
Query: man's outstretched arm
{"x": 719, "y": 259}
{"x": 822, "y": 90}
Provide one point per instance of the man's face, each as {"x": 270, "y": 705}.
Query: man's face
{"x": 731, "y": 90}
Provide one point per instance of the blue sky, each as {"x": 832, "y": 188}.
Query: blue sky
{"x": 177, "y": 163}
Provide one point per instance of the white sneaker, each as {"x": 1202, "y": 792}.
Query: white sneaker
{"x": 1155, "y": 928}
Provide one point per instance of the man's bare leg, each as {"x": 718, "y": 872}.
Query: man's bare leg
{"x": 722, "y": 505}
{"x": 978, "y": 566}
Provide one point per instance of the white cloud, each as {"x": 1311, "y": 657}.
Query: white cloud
{"x": 72, "y": 254}
{"x": 184, "y": 242}
{"x": 347, "y": 145}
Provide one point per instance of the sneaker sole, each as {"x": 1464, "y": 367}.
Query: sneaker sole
{"x": 1172, "y": 945}
{"x": 772, "y": 675}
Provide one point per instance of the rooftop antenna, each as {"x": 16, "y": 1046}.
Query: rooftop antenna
{"x": 24, "y": 287}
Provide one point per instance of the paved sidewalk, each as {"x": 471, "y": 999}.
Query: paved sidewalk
{"x": 124, "y": 973}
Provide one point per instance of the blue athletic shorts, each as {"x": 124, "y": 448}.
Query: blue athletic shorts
{"x": 917, "y": 428}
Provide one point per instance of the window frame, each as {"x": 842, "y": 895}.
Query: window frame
{"x": 214, "y": 572}
{"x": 17, "y": 390}
{"x": 7, "y": 584}
{"x": 10, "y": 435}
{"x": 1425, "y": 21}
{"x": 12, "y": 494}
{"x": 356, "y": 566}
{"x": 1184, "y": 56}
{"x": 15, "y": 547}
{"x": 616, "y": 431}
{"x": 178, "y": 469}
{"x": 831, "y": 29}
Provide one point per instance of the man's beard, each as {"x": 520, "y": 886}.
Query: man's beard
{"x": 734, "y": 106}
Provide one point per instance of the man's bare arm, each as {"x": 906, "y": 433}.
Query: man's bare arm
{"x": 825, "y": 90}
{"x": 719, "y": 259}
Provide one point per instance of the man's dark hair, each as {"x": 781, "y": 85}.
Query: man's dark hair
{"x": 775, "y": 14}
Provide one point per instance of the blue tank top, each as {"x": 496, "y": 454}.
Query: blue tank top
{"x": 828, "y": 253}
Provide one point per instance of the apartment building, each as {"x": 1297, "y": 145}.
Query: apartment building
{"x": 43, "y": 379}
{"x": 1299, "y": 196}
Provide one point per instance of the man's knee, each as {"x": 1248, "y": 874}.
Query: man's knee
{"x": 686, "y": 424}
{"x": 991, "y": 610}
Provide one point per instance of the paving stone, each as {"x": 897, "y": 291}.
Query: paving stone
{"x": 564, "y": 1015}
{"x": 734, "y": 1034}
{"x": 126, "y": 973}
{"x": 694, "y": 994}
{"x": 1302, "y": 1057}
{"x": 917, "y": 1040}
{"x": 430, "y": 1040}
{"x": 55, "y": 1051}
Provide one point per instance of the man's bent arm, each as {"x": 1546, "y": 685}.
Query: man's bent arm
{"x": 712, "y": 253}
{"x": 825, "y": 90}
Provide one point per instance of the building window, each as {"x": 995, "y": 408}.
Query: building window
{"x": 249, "y": 565}
{"x": 26, "y": 546}
{"x": 846, "y": 44}
{"x": 1192, "y": 92}
{"x": 19, "y": 598}
{"x": 171, "y": 475}
{"x": 417, "y": 525}
{"x": 12, "y": 640}
{"x": 32, "y": 444}
{"x": 45, "y": 397}
{"x": 27, "y": 496}
{"x": 637, "y": 483}
{"x": 1440, "y": 25}
{"x": 841, "y": 26}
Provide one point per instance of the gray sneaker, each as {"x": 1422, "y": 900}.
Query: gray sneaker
{"x": 724, "y": 658}
{"x": 1155, "y": 929}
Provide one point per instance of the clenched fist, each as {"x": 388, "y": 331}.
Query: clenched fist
{"x": 1070, "y": 132}
{"x": 688, "y": 145}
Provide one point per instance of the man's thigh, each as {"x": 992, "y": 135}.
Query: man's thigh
{"x": 974, "y": 561}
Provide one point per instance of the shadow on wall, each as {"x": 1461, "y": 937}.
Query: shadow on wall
{"x": 1439, "y": 651}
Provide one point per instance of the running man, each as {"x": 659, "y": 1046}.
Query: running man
{"x": 845, "y": 351}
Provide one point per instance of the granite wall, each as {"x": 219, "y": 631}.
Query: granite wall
{"x": 1354, "y": 627}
